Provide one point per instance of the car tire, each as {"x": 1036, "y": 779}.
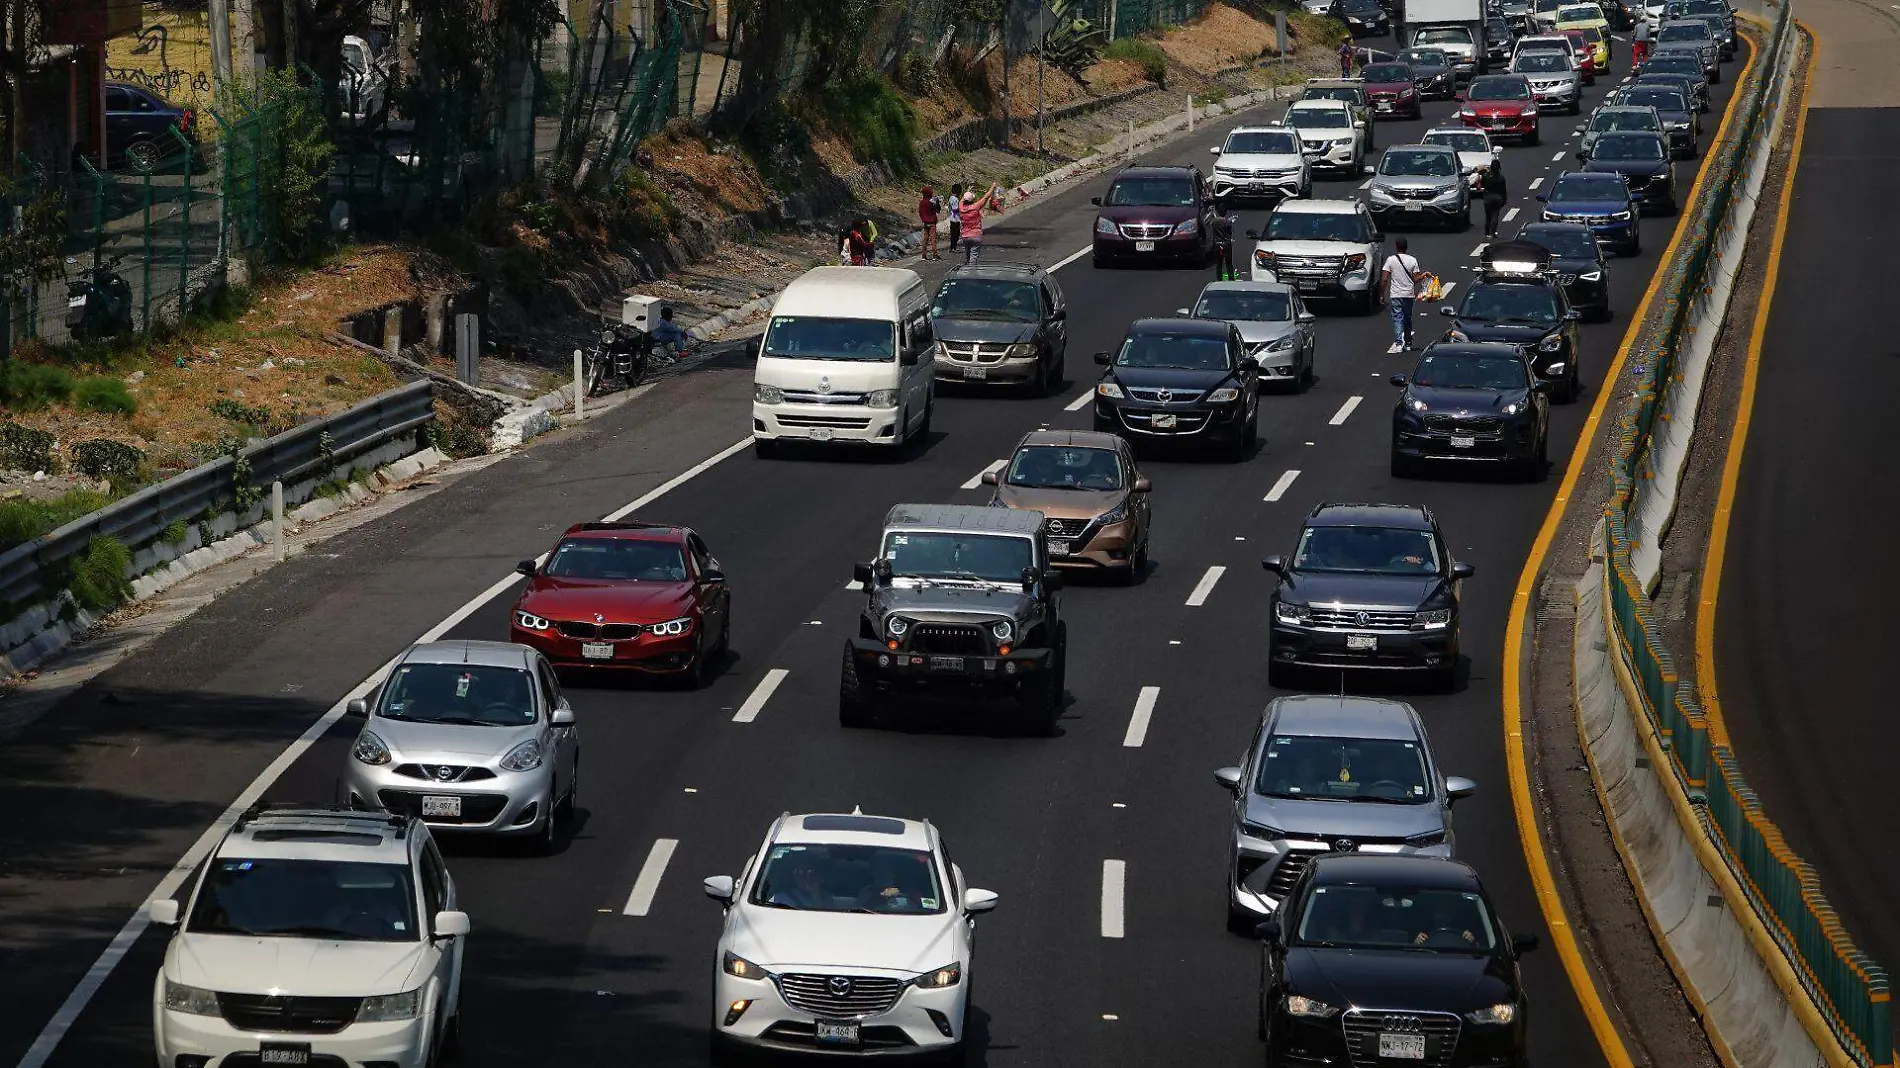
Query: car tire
{"x": 1540, "y": 469}
{"x": 705, "y": 667}
{"x": 1041, "y": 705}
{"x": 1533, "y": 139}
{"x": 545, "y": 841}
{"x": 1404, "y": 466}
{"x": 854, "y": 703}
{"x": 1367, "y": 302}
{"x": 1243, "y": 443}
{"x": 921, "y": 439}
{"x": 1281, "y": 676}
{"x": 1445, "y": 679}
{"x": 723, "y": 1052}
{"x": 565, "y": 809}
{"x": 766, "y": 450}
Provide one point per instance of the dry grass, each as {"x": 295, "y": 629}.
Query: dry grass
{"x": 704, "y": 180}
{"x": 1221, "y": 38}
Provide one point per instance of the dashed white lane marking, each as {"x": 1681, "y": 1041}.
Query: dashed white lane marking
{"x": 1281, "y": 485}
{"x": 854, "y": 584}
{"x": 1345, "y": 411}
{"x": 755, "y": 703}
{"x": 1444, "y": 292}
{"x": 1081, "y": 402}
{"x": 1558, "y": 158}
{"x": 1138, "y": 723}
{"x": 1535, "y": 182}
{"x": 648, "y": 883}
{"x": 977, "y": 479}
{"x": 1070, "y": 258}
{"x": 1479, "y": 251}
{"x": 1114, "y": 883}
{"x": 1509, "y": 214}
{"x": 1367, "y": 184}
{"x": 1206, "y": 586}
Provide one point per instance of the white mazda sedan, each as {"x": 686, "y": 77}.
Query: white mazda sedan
{"x": 845, "y": 934}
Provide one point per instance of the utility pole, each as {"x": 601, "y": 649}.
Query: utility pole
{"x": 1042, "y": 35}
{"x": 220, "y": 18}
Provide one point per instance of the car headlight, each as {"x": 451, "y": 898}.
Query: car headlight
{"x": 530, "y": 621}
{"x": 881, "y": 398}
{"x": 524, "y": 757}
{"x": 1001, "y": 630}
{"x": 1415, "y": 404}
{"x": 734, "y": 964}
{"x": 195, "y": 1001}
{"x": 1224, "y": 395}
{"x": 1105, "y": 226}
{"x": 1434, "y": 619}
{"x": 1557, "y": 368}
{"x": 1467, "y": 113}
{"x": 896, "y": 626}
{"x": 1341, "y": 142}
{"x": 1114, "y": 515}
{"x": 389, "y": 1007}
{"x": 1380, "y": 196}
{"x": 1109, "y": 390}
{"x": 1513, "y": 408}
{"x": 1621, "y": 216}
{"x": 1187, "y": 226}
{"x": 1501, "y": 1013}
{"x": 1263, "y": 259}
{"x": 1591, "y": 276}
{"x": 938, "y": 978}
{"x": 1300, "y": 1005}
{"x": 1551, "y": 343}
{"x": 1261, "y": 830}
{"x": 1449, "y": 194}
{"x": 1355, "y": 263}
{"x": 1021, "y": 352}
{"x": 765, "y": 394}
{"x": 672, "y": 628}
{"x": 1291, "y": 613}
{"x": 1428, "y": 838}
{"x": 370, "y": 749}
{"x": 1281, "y": 344}
{"x": 1406, "y": 92}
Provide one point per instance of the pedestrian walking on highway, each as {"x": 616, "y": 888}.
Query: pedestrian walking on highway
{"x": 971, "y": 211}
{"x": 1491, "y": 189}
{"x": 956, "y": 216}
{"x": 1639, "y": 44}
{"x": 927, "y": 216}
{"x": 1398, "y": 289}
{"x": 1345, "y": 58}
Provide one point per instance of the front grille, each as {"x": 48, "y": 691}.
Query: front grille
{"x": 476, "y": 808}
{"x": 1412, "y": 194}
{"x": 1067, "y": 528}
{"x": 1308, "y": 266}
{"x": 821, "y": 996}
{"x": 288, "y": 1015}
{"x": 1165, "y": 396}
{"x": 794, "y": 396}
{"x": 588, "y": 631}
{"x": 832, "y": 421}
{"x": 975, "y": 351}
{"x": 1184, "y": 422}
{"x": 1357, "y": 619}
{"x": 1452, "y": 424}
{"x": 1363, "y": 1027}
{"x": 434, "y": 772}
{"x": 1242, "y": 172}
{"x": 948, "y": 639}
{"x": 1146, "y": 231}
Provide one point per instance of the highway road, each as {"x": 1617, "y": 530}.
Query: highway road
{"x": 110, "y": 790}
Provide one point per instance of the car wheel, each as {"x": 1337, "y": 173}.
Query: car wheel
{"x": 1366, "y": 302}
{"x": 723, "y": 1052}
{"x": 544, "y": 840}
{"x": 566, "y": 808}
{"x": 1445, "y": 679}
{"x": 921, "y": 438}
{"x": 1541, "y": 469}
{"x": 705, "y": 667}
{"x": 143, "y": 154}
{"x": 1404, "y": 466}
{"x": 1041, "y": 702}
{"x": 854, "y": 704}
{"x": 1532, "y": 140}
{"x": 766, "y": 450}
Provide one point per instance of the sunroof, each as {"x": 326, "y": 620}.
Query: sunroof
{"x": 867, "y": 824}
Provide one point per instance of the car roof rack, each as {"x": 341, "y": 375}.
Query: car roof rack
{"x": 393, "y": 820}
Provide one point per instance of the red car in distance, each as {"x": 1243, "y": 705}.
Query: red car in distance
{"x": 1501, "y": 105}
{"x": 639, "y": 597}
{"x": 1393, "y": 90}
{"x": 1586, "y": 54}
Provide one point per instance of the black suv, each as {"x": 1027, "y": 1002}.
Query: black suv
{"x": 1001, "y": 324}
{"x": 1417, "y": 937}
{"x": 1368, "y": 586}
{"x": 1582, "y": 269}
{"x": 1183, "y": 380}
{"x": 1474, "y": 404}
{"x": 1517, "y": 299}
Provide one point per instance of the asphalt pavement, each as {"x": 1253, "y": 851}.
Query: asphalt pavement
{"x": 563, "y": 968}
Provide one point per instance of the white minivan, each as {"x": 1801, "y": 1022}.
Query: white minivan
{"x": 847, "y": 357}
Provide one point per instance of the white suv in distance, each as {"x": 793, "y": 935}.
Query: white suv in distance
{"x": 1330, "y": 137}
{"x": 845, "y": 934}
{"x": 1260, "y": 162}
{"x": 312, "y": 936}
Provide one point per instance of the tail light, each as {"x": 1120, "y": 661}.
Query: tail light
{"x": 185, "y": 120}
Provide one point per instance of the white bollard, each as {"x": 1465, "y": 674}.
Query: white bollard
{"x": 580, "y": 386}
{"x": 1190, "y": 128}
{"x": 1131, "y": 139}
{"x": 277, "y": 517}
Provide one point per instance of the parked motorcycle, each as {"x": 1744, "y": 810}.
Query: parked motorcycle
{"x": 98, "y": 302}
{"x": 622, "y": 352}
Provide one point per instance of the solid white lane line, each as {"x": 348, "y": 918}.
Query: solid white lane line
{"x": 648, "y": 883}
{"x": 1281, "y": 485}
{"x": 977, "y": 479}
{"x": 1070, "y": 258}
{"x": 1535, "y": 182}
{"x": 1444, "y": 293}
{"x": 677, "y": 481}
{"x": 1206, "y": 586}
{"x": 83, "y": 992}
{"x": 1081, "y": 402}
{"x": 761, "y": 693}
{"x": 1558, "y": 158}
{"x": 1345, "y": 410}
{"x": 1509, "y": 214}
{"x": 1114, "y": 885}
{"x": 1138, "y": 723}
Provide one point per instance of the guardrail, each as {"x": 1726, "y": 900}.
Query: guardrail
{"x": 1646, "y": 455}
{"x": 28, "y": 571}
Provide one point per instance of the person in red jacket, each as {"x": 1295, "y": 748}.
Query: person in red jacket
{"x": 927, "y": 215}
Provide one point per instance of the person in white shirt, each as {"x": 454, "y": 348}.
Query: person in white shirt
{"x": 1398, "y": 289}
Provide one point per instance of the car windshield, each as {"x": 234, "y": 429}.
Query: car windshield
{"x": 1358, "y": 5}
{"x": 1184, "y": 352}
{"x": 998, "y": 300}
{"x": 1155, "y": 191}
{"x": 1460, "y": 141}
{"x": 617, "y": 560}
{"x": 1387, "y": 72}
{"x": 328, "y": 899}
{"x": 355, "y": 58}
{"x": 1420, "y": 919}
{"x": 1463, "y": 370}
{"x": 1065, "y": 467}
{"x": 1684, "y": 31}
{"x": 1425, "y": 57}
{"x": 1262, "y": 143}
{"x": 937, "y": 555}
{"x": 1633, "y": 147}
{"x": 1331, "y": 92}
{"x": 1509, "y": 303}
{"x": 1578, "y": 189}
{"x": 1579, "y": 13}
{"x": 828, "y": 877}
{"x": 1657, "y": 97}
{"x": 1317, "y": 226}
{"x": 1551, "y": 62}
{"x": 1571, "y": 244}
{"x": 1368, "y": 550}
{"x": 1386, "y": 770}
{"x": 1613, "y": 119}
{"x": 1245, "y": 304}
{"x": 1443, "y": 35}
{"x": 468, "y": 695}
{"x": 1707, "y": 7}
{"x": 1413, "y": 162}
{"x": 1548, "y": 5}
{"x": 805, "y": 337}
{"x": 1498, "y": 89}
{"x": 1317, "y": 118}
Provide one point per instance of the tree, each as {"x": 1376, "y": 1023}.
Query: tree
{"x": 22, "y": 22}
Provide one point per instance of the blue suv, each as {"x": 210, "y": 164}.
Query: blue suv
{"x": 1600, "y": 201}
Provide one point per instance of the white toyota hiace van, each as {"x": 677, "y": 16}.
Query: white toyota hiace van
{"x": 847, "y": 357}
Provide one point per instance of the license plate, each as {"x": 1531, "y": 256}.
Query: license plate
{"x": 976, "y": 374}
{"x": 597, "y": 650}
{"x": 1361, "y": 643}
{"x": 947, "y": 663}
{"x": 821, "y": 433}
{"x": 283, "y": 1053}
{"x": 1383, "y": 106}
{"x": 439, "y": 806}
{"x": 1463, "y": 441}
{"x": 1305, "y": 286}
{"x": 1413, "y": 207}
{"x": 1058, "y": 548}
{"x": 837, "y": 1033}
{"x": 1144, "y": 246}
{"x": 1401, "y": 1047}
{"x": 1164, "y": 422}
{"x": 76, "y": 302}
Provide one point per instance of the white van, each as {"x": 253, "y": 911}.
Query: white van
{"x": 846, "y": 357}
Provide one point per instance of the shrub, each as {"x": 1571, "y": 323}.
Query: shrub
{"x": 25, "y": 449}
{"x": 880, "y": 124}
{"x": 22, "y": 520}
{"x": 779, "y": 146}
{"x": 28, "y": 387}
{"x": 226, "y": 408}
{"x": 114, "y": 461}
{"x": 175, "y": 532}
{"x": 98, "y": 573}
{"x": 637, "y": 208}
{"x": 1145, "y": 54}
{"x": 105, "y": 395}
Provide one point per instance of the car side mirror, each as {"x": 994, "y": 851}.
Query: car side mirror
{"x": 862, "y": 574}
{"x": 1397, "y": 380}
{"x": 1540, "y": 386}
{"x": 720, "y": 888}
{"x": 1253, "y": 235}
{"x": 1097, "y": 201}
{"x": 1522, "y": 944}
{"x": 1269, "y": 931}
{"x": 1378, "y": 235}
{"x": 1305, "y": 317}
{"x": 990, "y": 479}
{"x": 1052, "y": 580}
{"x": 525, "y": 567}
{"x": 909, "y": 357}
{"x": 1061, "y": 315}
{"x": 1573, "y": 315}
{"x": 1275, "y": 564}
{"x": 1543, "y": 198}
{"x": 1229, "y": 779}
{"x": 976, "y": 900}
{"x": 1102, "y": 358}
{"x": 1142, "y": 485}
{"x": 162, "y": 911}
{"x": 1215, "y": 151}
{"x": 712, "y": 576}
{"x": 1462, "y": 571}
{"x": 1031, "y": 576}
{"x": 1183, "y": 311}
{"x": 1457, "y": 786}
{"x": 1368, "y": 171}
{"x": 449, "y": 924}
{"x": 562, "y": 716}
{"x": 1447, "y": 311}
{"x": 357, "y": 708}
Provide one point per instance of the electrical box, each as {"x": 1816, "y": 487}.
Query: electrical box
{"x": 640, "y": 312}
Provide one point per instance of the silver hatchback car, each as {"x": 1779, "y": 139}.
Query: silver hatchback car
{"x": 469, "y": 736}
{"x": 1331, "y": 775}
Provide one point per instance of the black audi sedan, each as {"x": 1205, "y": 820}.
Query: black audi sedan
{"x": 1528, "y": 310}
{"x": 1582, "y": 267}
{"x": 1471, "y": 404}
{"x": 1415, "y": 936}
{"x": 1186, "y": 380}
{"x": 1643, "y": 159}
{"x": 1369, "y": 586}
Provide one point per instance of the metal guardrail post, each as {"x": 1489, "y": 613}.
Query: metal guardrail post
{"x": 184, "y": 229}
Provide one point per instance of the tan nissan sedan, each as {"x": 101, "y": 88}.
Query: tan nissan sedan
{"x": 1088, "y": 486}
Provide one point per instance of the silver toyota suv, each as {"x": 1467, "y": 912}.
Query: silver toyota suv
{"x": 1331, "y": 775}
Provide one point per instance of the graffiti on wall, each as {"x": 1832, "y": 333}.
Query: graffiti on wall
{"x": 170, "y": 56}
